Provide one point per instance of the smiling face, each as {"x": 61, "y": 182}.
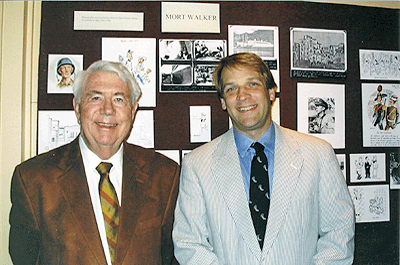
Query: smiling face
{"x": 247, "y": 100}
{"x": 105, "y": 113}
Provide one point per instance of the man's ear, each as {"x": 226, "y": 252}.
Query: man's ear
{"x": 76, "y": 109}
{"x": 134, "y": 109}
{"x": 272, "y": 93}
{"x": 223, "y": 103}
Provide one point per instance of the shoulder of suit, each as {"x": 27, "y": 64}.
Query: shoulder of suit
{"x": 53, "y": 157}
{"x": 209, "y": 148}
{"x": 146, "y": 154}
{"x": 302, "y": 139}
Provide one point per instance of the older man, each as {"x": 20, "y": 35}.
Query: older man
{"x": 97, "y": 200}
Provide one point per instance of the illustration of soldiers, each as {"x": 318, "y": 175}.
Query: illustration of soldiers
{"x": 379, "y": 109}
{"x": 392, "y": 116}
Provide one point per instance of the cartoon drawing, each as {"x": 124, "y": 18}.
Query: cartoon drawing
{"x": 392, "y": 116}
{"x": 379, "y": 109}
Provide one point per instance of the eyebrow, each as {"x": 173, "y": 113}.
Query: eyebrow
{"x": 92, "y": 92}
{"x": 248, "y": 79}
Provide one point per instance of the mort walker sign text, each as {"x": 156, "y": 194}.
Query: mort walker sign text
{"x": 190, "y": 17}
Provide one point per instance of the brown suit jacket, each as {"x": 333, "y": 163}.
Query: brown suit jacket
{"x": 52, "y": 219}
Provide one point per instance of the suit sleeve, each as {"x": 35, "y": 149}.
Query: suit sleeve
{"x": 191, "y": 232}
{"x": 167, "y": 248}
{"x": 24, "y": 238}
{"x": 336, "y": 215}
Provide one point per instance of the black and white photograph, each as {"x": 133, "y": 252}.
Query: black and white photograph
{"x": 321, "y": 115}
{"x": 321, "y": 110}
{"x": 62, "y": 69}
{"x": 369, "y": 167}
{"x": 176, "y": 50}
{"x": 209, "y": 50}
{"x": 318, "y": 53}
{"x": 176, "y": 74}
{"x": 394, "y": 170}
{"x": 203, "y": 74}
{"x": 187, "y": 65}
{"x": 261, "y": 40}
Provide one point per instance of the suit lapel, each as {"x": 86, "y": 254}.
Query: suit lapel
{"x": 134, "y": 188}
{"x": 287, "y": 165}
{"x": 228, "y": 176}
{"x": 72, "y": 180}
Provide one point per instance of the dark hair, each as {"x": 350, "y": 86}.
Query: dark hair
{"x": 244, "y": 59}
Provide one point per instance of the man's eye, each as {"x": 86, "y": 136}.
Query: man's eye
{"x": 95, "y": 98}
{"x": 119, "y": 100}
{"x": 229, "y": 89}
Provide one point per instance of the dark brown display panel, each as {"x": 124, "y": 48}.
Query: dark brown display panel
{"x": 366, "y": 27}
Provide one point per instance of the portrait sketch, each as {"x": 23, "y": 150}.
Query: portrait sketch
{"x": 321, "y": 112}
{"x": 62, "y": 69}
{"x": 321, "y": 115}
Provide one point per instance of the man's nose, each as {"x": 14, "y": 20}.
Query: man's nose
{"x": 108, "y": 107}
{"x": 242, "y": 93}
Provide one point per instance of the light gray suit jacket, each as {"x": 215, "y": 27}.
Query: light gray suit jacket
{"x": 311, "y": 217}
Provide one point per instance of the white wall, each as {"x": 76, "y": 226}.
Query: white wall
{"x": 19, "y": 42}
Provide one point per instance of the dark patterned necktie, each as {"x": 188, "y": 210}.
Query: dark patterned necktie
{"x": 259, "y": 192}
{"x": 109, "y": 206}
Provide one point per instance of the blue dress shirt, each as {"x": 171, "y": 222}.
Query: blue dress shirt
{"x": 246, "y": 153}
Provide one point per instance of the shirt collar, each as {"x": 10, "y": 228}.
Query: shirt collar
{"x": 243, "y": 142}
{"x": 91, "y": 160}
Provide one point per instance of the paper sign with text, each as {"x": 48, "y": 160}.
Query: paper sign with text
{"x": 190, "y": 17}
{"x": 115, "y": 21}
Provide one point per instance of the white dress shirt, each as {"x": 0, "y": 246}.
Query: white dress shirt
{"x": 90, "y": 162}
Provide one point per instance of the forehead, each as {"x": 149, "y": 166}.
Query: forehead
{"x": 238, "y": 72}
{"x": 106, "y": 81}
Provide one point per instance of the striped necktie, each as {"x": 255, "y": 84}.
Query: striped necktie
{"x": 109, "y": 205}
{"x": 259, "y": 192}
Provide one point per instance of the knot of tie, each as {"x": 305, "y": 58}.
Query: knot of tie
{"x": 104, "y": 168}
{"x": 258, "y": 147}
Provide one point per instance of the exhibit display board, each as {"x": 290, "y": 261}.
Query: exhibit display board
{"x": 342, "y": 57}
